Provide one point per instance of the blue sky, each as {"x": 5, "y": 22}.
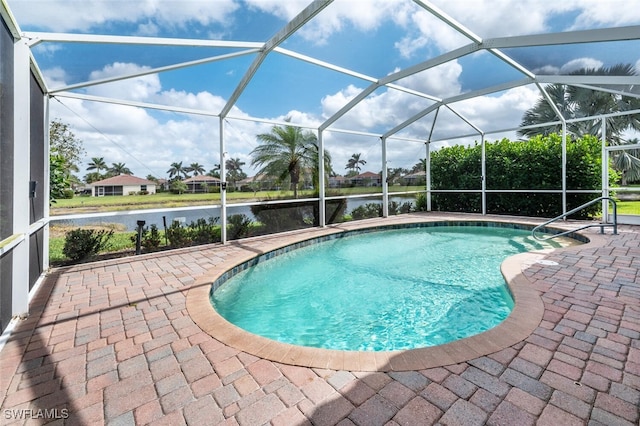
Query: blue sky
{"x": 372, "y": 37}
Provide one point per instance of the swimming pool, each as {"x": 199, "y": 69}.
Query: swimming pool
{"x": 386, "y": 290}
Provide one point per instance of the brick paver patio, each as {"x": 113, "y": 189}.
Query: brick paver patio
{"x": 112, "y": 343}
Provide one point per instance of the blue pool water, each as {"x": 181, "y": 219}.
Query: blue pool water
{"x": 377, "y": 291}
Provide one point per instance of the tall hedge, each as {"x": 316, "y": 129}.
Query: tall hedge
{"x": 532, "y": 164}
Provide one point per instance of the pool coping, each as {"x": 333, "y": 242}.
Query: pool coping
{"x": 523, "y": 320}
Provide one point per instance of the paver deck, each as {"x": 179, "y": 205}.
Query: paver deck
{"x": 113, "y": 343}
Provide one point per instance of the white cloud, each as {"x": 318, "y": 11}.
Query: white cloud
{"x": 596, "y": 13}
{"x": 571, "y": 66}
{"x": 546, "y": 70}
{"x": 387, "y": 109}
{"x": 441, "y": 81}
{"x": 83, "y": 15}
{"x": 146, "y": 141}
{"x": 56, "y": 76}
{"x": 285, "y": 10}
{"x": 137, "y": 89}
{"x": 361, "y": 15}
{"x": 157, "y": 139}
{"x": 580, "y": 63}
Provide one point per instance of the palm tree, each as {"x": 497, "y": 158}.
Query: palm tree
{"x": 394, "y": 174}
{"x": 97, "y": 164}
{"x": 215, "y": 172}
{"x": 577, "y": 102}
{"x": 119, "y": 169}
{"x": 234, "y": 169}
{"x": 286, "y": 153}
{"x": 628, "y": 162}
{"x": 234, "y": 165}
{"x": 196, "y": 168}
{"x": 420, "y": 166}
{"x": 177, "y": 171}
{"x": 354, "y": 162}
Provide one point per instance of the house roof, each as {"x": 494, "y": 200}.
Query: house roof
{"x": 123, "y": 180}
{"x": 417, "y": 174}
{"x": 367, "y": 175}
{"x": 201, "y": 179}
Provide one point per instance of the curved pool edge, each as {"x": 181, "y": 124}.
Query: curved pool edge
{"x": 525, "y": 317}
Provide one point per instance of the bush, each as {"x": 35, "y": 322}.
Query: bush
{"x": 178, "y": 187}
{"x": 396, "y": 208}
{"x": 285, "y": 217}
{"x": 67, "y": 194}
{"x": 178, "y": 236}
{"x": 367, "y": 211}
{"x": 239, "y": 226}
{"x": 199, "y": 232}
{"x": 203, "y": 232}
{"x": 533, "y": 164}
{"x": 80, "y": 244}
{"x": 149, "y": 239}
{"x": 421, "y": 202}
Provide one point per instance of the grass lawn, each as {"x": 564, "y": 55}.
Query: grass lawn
{"x": 628, "y": 207}
{"x": 119, "y": 241}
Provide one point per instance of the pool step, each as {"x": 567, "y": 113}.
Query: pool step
{"x": 529, "y": 243}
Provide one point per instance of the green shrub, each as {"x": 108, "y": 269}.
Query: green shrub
{"x": 285, "y": 217}
{"x": 67, "y": 194}
{"x": 421, "y": 202}
{"x": 238, "y": 226}
{"x": 396, "y": 208}
{"x": 150, "y": 239}
{"x": 367, "y": 211}
{"x": 532, "y": 164}
{"x": 178, "y": 187}
{"x": 178, "y": 235}
{"x": 201, "y": 231}
{"x": 204, "y": 232}
{"x": 80, "y": 244}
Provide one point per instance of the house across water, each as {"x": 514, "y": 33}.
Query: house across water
{"x": 122, "y": 185}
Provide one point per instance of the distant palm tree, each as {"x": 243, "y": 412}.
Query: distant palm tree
{"x": 196, "y": 169}
{"x": 234, "y": 164}
{"x": 420, "y": 166}
{"x": 177, "y": 171}
{"x": 234, "y": 169}
{"x": 354, "y": 162}
{"x": 97, "y": 164}
{"x": 286, "y": 152}
{"x": 577, "y": 102}
{"x": 394, "y": 174}
{"x": 215, "y": 172}
{"x": 119, "y": 169}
